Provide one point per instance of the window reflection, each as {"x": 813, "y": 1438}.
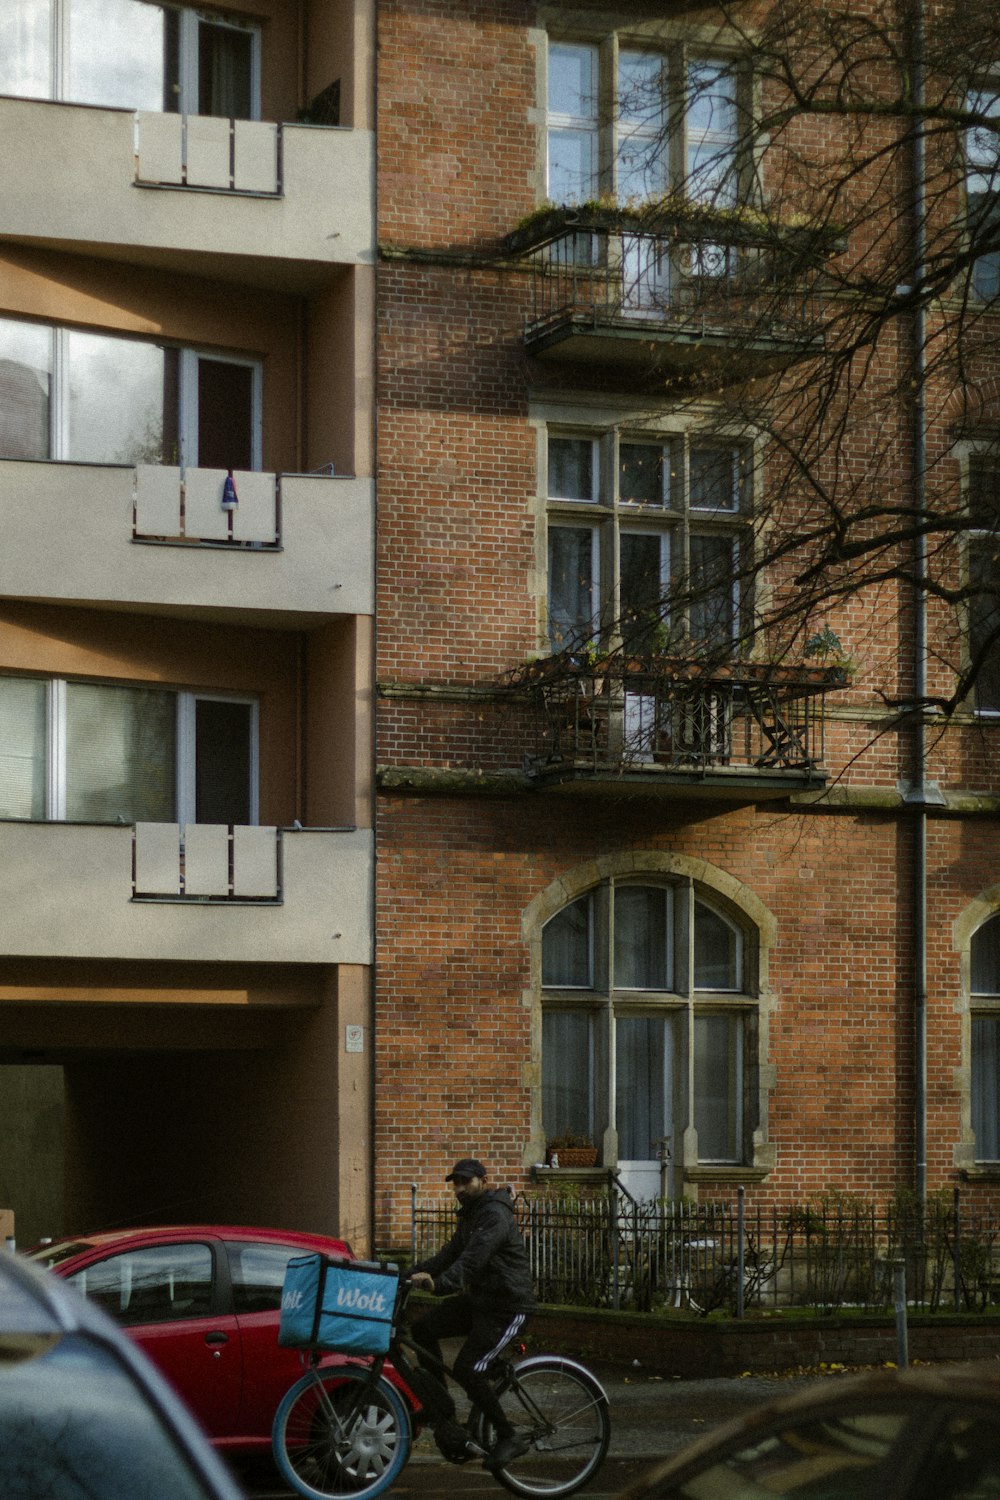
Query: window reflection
{"x": 128, "y": 54}
{"x": 73, "y": 1422}
{"x": 66, "y": 394}
{"x": 159, "y": 1284}
{"x": 117, "y": 54}
{"x": 116, "y": 400}
{"x": 25, "y": 48}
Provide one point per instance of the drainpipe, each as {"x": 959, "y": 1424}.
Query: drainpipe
{"x": 917, "y": 792}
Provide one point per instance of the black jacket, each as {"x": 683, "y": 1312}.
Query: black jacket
{"x": 486, "y": 1256}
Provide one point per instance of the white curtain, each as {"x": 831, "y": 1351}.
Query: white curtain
{"x": 567, "y": 947}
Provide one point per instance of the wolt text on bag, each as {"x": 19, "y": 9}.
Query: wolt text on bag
{"x": 337, "y": 1304}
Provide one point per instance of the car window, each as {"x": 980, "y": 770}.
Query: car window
{"x": 841, "y": 1457}
{"x": 157, "y": 1284}
{"x": 258, "y": 1272}
{"x": 75, "y": 1426}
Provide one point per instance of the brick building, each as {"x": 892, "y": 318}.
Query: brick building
{"x": 734, "y": 923}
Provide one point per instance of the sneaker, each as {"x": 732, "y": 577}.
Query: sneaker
{"x": 507, "y": 1449}
{"x": 452, "y": 1440}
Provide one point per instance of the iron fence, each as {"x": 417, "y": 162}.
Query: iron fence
{"x": 610, "y": 1251}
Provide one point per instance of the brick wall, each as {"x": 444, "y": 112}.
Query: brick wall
{"x": 458, "y": 585}
{"x": 702, "y": 1351}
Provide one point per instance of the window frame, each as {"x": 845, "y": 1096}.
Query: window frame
{"x": 678, "y": 55}
{"x": 972, "y": 537}
{"x": 984, "y": 1005}
{"x": 185, "y": 745}
{"x": 190, "y": 359}
{"x": 681, "y": 1001}
{"x": 610, "y": 517}
{"x": 190, "y": 20}
{"x": 976, "y": 166}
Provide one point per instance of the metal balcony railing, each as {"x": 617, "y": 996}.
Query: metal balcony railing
{"x": 678, "y": 277}
{"x": 678, "y": 715}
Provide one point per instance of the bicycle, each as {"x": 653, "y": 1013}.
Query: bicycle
{"x": 345, "y": 1431}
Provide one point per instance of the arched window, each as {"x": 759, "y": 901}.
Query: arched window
{"x": 985, "y": 987}
{"x": 649, "y": 1026}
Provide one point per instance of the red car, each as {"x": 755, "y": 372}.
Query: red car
{"x": 203, "y": 1302}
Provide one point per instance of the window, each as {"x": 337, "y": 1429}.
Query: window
{"x": 258, "y": 1274}
{"x": 105, "y": 753}
{"x": 982, "y": 188}
{"x": 675, "y": 123}
{"x": 985, "y": 986}
{"x": 983, "y": 554}
{"x": 160, "y": 1284}
{"x": 648, "y": 1024}
{"x": 645, "y": 540}
{"x": 86, "y": 397}
{"x": 131, "y": 54}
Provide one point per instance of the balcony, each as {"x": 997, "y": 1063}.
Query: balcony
{"x": 671, "y": 725}
{"x": 146, "y": 536}
{"x": 680, "y": 294}
{"x": 263, "y": 895}
{"x": 277, "y": 205}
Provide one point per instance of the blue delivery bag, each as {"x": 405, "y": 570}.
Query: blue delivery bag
{"x": 340, "y": 1305}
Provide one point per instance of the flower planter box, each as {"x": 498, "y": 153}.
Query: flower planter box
{"x": 574, "y": 1156}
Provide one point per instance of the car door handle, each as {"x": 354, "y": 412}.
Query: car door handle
{"x": 217, "y": 1337}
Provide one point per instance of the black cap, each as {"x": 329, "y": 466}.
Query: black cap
{"x": 468, "y": 1167}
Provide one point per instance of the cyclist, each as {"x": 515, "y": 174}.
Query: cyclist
{"x": 484, "y": 1274}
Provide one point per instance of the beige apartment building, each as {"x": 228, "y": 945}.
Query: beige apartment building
{"x": 186, "y": 597}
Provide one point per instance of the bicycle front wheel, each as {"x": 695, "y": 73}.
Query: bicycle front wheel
{"x": 338, "y": 1435}
{"x": 563, "y": 1409}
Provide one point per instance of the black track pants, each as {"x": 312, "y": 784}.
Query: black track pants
{"x": 488, "y": 1332}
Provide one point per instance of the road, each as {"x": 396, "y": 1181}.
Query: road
{"x": 651, "y": 1417}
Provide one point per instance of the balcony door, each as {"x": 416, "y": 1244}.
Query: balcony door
{"x": 219, "y": 411}
{"x": 217, "y": 767}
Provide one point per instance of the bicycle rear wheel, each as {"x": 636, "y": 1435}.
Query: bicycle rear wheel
{"x": 339, "y": 1436}
{"x": 564, "y": 1410}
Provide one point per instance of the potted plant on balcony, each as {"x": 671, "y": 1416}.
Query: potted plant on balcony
{"x": 571, "y": 1150}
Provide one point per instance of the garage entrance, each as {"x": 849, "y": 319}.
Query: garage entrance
{"x": 242, "y": 1112}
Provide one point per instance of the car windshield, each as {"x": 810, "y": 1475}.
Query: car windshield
{"x": 74, "y": 1426}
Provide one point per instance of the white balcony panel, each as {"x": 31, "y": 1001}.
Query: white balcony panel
{"x": 157, "y": 501}
{"x": 323, "y": 568}
{"x": 70, "y": 176}
{"x": 207, "y": 151}
{"x": 66, "y": 892}
{"x": 157, "y": 859}
{"x": 255, "y": 518}
{"x": 255, "y": 865}
{"x": 160, "y": 148}
{"x": 204, "y": 516}
{"x": 255, "y": 156}
{"x": 206, "y": 858}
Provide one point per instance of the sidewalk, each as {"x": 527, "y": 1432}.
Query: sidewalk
{"x": 653, "y": 1416}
